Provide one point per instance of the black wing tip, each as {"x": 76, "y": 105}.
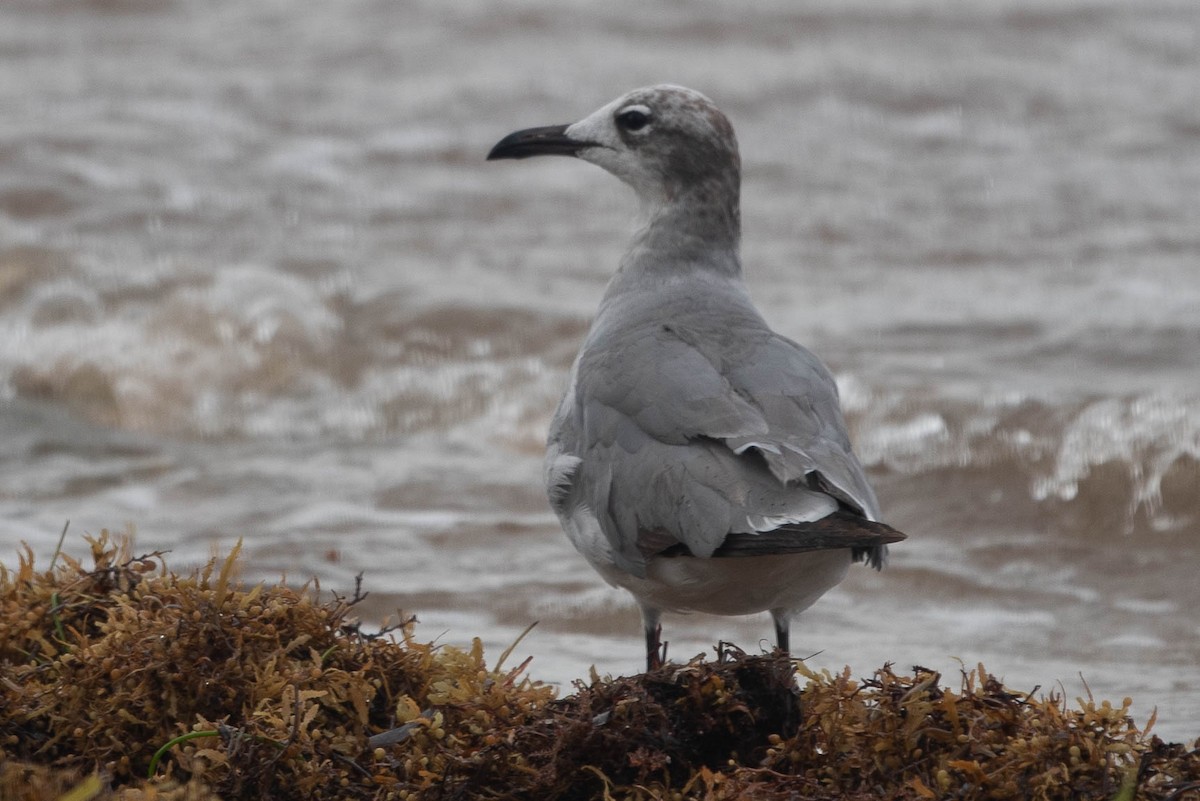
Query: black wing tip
{"x": 875, "y": 557}
{"x": 866, "y": 539}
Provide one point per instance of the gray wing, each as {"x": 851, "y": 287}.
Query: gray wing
{"x": 674, "y": 438}
{"x": 807, "y": 437}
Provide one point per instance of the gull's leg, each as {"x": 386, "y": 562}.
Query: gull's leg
{"x": 783, "y": 620}
{"x": 653, "y": 629}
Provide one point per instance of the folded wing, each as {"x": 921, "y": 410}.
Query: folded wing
{"x": 680, "y": 442}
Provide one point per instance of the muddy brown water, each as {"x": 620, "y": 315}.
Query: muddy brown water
{"x": 257, "y": 281}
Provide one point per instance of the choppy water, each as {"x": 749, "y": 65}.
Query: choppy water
{"x": 257, "y": 281}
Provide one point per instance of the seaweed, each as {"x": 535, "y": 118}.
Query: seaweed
{"x": 125, "y": 680}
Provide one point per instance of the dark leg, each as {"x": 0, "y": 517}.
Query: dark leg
{"x": 655, "y": 651}
{"x": 654, "y": 655}
{"x": 782, "y": 626}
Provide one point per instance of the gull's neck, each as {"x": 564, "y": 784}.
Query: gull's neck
{"x": 698, "y": 226}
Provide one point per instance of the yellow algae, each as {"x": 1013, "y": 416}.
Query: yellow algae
{"x": 128, "y": 681}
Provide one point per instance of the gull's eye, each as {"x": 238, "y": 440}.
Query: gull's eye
{"x": 634, "y": 119}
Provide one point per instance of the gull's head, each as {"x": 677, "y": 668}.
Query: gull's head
{"x": 664, "y": 141}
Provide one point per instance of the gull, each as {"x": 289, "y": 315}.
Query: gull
{"x": 698, "y": 459}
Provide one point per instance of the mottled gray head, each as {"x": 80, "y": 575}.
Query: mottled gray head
{"x": 667, "y": 142}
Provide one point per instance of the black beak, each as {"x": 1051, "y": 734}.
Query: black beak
{"x": 551, "y": 140}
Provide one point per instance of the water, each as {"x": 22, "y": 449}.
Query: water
{"x": 257, "y": 281}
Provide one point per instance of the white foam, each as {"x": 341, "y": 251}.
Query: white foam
{"x": 1147, "y": 434}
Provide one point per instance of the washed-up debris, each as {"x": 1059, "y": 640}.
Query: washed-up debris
{"x": 127, "y": 681}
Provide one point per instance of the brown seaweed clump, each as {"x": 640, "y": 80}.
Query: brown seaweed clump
{"x": 267, "y": 692}
{"x": 128, "y": 681}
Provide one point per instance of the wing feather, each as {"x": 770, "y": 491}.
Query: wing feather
{"x": 704, "y": 438}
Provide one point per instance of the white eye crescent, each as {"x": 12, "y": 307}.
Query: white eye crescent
{"x": 633, "y": 118}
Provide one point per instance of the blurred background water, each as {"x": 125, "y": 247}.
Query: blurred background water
{"x": 257, "y": 281}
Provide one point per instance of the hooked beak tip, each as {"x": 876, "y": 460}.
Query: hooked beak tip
{"x": 550, "y": 140}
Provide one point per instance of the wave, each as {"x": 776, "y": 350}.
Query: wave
{"x": 1131, "y": 463}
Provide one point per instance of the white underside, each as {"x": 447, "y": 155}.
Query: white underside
{"x": 788, "y": 583}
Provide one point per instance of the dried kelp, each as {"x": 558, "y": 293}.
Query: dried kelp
{"x": 127, "y": 681}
